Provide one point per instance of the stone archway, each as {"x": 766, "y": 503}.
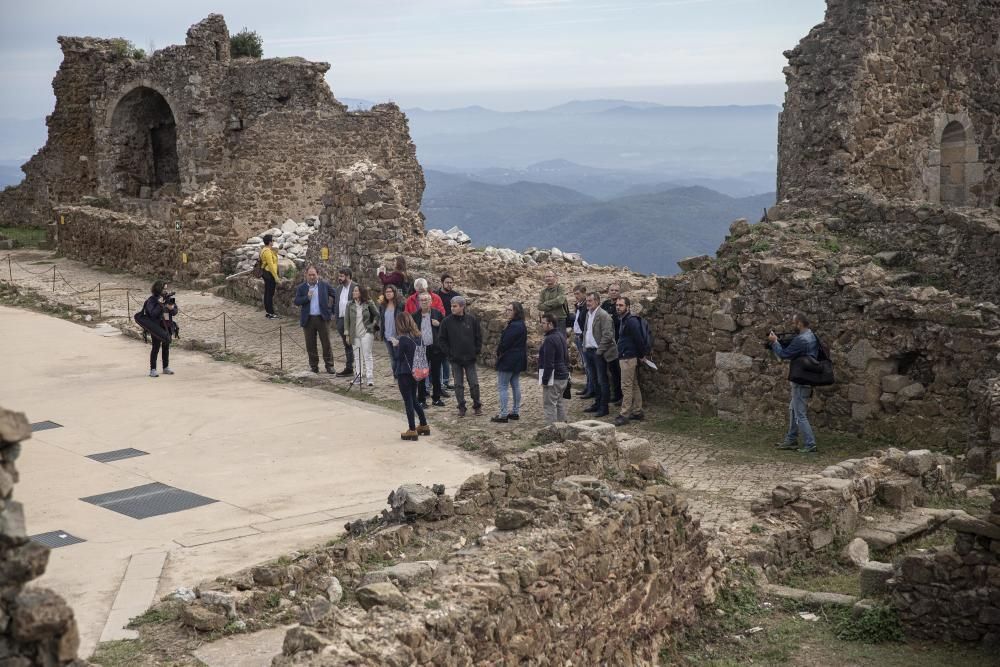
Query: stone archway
{"x": 143, "y": 140}
{"x": 954, "y": 181}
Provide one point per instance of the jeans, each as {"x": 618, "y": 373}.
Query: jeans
{"x": 393, "y": 355}
{"x": 599, "y": 371}
{"x": 580, "y": 350}
{"x": 348, "y": 352}
{"x": 434, "y": 376}
{"x": 363, "y": 358}
{"x": 408, "y": 390}
{"x": 513, "y": 380}
{"x": 798, "y": 419}
{"x": 553, "y": 403}
{"x": 156, "y": 349}
{"x": 317, "y": 326}
{"x": 462, "y": 371}
{"x": 270, "y": 284}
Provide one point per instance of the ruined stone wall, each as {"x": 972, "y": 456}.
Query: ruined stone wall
{"x": 953, "y": 594}
{"x": 37, "y": 627}
{"x": 912, "y": 361}
{"x": 895, "y": 98}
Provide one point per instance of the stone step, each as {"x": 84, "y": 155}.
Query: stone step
{"x": 810, "y": 597}
{"x": 892, "y": 531}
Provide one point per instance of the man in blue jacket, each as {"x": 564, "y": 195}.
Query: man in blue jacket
{"x": 632, "y": 348}
{"x": 313, "y": 298}
{"x": 804, "y": 344}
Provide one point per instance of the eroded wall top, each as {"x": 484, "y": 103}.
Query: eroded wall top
{"x": 896, "y": 99}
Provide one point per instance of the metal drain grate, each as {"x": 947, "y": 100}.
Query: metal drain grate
{"x": 56, "y": 539}
{"x": 117, "y": 455}
{"x": 44, "y": 426}
{"x": 142, "y": 502}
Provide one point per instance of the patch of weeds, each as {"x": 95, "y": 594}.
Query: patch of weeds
{"x": 432, "y": 604}
{"x": 234, "y": 628}
{"x": 163, "y": 613}
{"x": 937, "y": 539}
{"x": 117, "y": 653}
{"x": 469, "y": 444}
{"x": 821, "y": 573}
{"x": 757, "y": 529}
{"x": 974, "y": 505}
{"x": 830, "y": 244}
{"x": 760, "y": 246}
{"x": 876, "y": 625}
{"x": 273, "y": 600}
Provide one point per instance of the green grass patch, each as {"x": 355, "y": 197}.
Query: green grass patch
{"x": 118, "y": 653}
{"x": 27, "y": 237}
{"x": 976, "y": 505}
{"x": 751, "y": 443}
{"x": 872, "y": 626}
{"x": 163, "y": 613}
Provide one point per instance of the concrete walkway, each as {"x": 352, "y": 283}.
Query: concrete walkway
{"x": 286, "y": 465}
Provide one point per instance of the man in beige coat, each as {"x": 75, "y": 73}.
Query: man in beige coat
{"x": 599, "y": 349}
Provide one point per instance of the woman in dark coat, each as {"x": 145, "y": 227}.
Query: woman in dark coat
{"x": 406, "y": 342}
{"x": 512, "y": 360}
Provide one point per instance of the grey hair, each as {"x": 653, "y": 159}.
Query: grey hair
{"x": 460, "y": 300}
{"x": 420, "y": 284}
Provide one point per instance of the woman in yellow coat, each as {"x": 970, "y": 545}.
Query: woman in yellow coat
{"x": 269, "y": 271}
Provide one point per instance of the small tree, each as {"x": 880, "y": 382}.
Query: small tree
{"x": 126, "y": 49}
{"x": 246, "y": 43}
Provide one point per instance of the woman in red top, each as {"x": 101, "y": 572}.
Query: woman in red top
{"x": 413, "y": 301}
{"x": 397, "y": 277}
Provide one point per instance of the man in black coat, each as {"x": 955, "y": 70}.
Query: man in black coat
{"x": 461, "y": 342}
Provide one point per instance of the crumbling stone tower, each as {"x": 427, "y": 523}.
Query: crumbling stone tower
{"x": 896, "y": 99}
{"x": 193, "y": 150}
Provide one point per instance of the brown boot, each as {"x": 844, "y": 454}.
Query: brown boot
{"x": 423, "y": 429}
{"x": 408, "y": 435}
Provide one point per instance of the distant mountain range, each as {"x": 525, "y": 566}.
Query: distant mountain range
{"x": 647, "y": 232}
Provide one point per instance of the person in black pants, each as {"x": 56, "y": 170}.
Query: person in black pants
{"x": 158, "y": 316}
{"x": 406, "y": 343}
{"x": 269, "y": 272}
{"x": 610, "y": 306}
{"x": 428, "y": 322}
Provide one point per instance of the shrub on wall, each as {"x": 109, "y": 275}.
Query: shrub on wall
{"x": 126, "y": 49}
{"x": 246, "y": 43}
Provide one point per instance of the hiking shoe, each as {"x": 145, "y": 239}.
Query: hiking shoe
{"x": 497, "y": 419}
{"x": 408, "y": 435}
{"x": 620, "y": 420}
{"x": 371, "y": 383}
{"x": 423, "y": 429}
{"x": 314, "y": 370}
{"x": 477, "y": 411}
{"x": 462, "y": 411}
{"x": 331, "y": 370}
{"x": 639, "y": 416}
{"x": 787, "y": 445}
{"x": 153, "y": 373}
{"x": 445, "y": 394}
{"x": 448, "y": 385}
{"x": 167, "y": 371}
{"x": 346, "y": 373}
{"x": 438, "y": 403}
{"x": 513, "y": 416}
{"x": 601, "y": 413}
{"x": 807, "y": 450}
{"x": 271, "y": 316}
{"x": 592, "y": 408}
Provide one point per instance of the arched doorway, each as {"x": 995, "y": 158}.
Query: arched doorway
{"x": 143, "y": 137}
{"x": 954, "y": 182}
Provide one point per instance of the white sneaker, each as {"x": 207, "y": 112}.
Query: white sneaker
{"x": 371, "y": 382}
{"x": 167, "y": 371}
{"x": 153, "y": 373}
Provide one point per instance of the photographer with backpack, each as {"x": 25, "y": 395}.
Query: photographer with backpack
{"x": 804, "y": 352}
{"x": 633, "y": 346}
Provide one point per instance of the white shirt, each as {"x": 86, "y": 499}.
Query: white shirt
{"x": 345, "y": 297}
{"x": 576, "y": 323}
{"x": 589, "y": 340}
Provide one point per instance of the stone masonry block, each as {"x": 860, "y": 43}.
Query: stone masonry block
{"x": 898, "y": 493}
{"x": 893, "y": 383}
{"x": 874, "y": 576}
{"x": 733, "y": 361}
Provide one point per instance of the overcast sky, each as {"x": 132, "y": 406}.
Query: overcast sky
{"x": 505, "y": 54}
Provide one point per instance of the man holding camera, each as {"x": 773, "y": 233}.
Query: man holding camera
{"x": 804, "y": 344}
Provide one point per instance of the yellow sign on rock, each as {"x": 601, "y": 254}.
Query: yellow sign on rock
{"x": 62, "y": 220}
{"x": 324, "y": 253}
{"x": 184, "y": 257}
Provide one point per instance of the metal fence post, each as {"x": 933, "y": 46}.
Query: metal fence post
{"x": 10, "y": 268}
{"x": 53, "y": 279}
{"x": 99, "y": 299}
{"x": 225, "y": 341}
{"x": 281, "y": 350}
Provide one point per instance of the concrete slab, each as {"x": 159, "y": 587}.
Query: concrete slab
{"x": 253, "y": 650}
{"x": 277, "y": 458}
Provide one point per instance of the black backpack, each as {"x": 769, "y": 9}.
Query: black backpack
{"x": 813, "y": 371}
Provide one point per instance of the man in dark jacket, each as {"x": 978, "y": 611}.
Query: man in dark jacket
{"x": 578, "y": 322}
{"x": 447, "y": 293}
{"x": 803, "y": 345}
{"x": 631, "y": 349}
{"x": 614, "y": 367}
{"x": 599, "y": 340}
{"x": 461, "y": 342}
{"x": 342, "y": 301}
{"x": 553, "y": 370}
{"x": 512, "y": 360}
{"x": 313, "y": 298}
{"x": 428, "y": 320}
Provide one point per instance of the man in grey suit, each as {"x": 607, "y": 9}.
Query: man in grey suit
{"x": 599, "y": 350}
{"x": 341, "y": 301}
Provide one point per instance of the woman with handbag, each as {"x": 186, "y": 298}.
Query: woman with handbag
{"x": 411, "y": 369}
{"x": 512, "y": 360}
{"x": 360, "y": 324}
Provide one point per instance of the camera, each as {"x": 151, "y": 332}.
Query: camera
{"x": 168, "y": 298}
{"x": 784, "y": 337}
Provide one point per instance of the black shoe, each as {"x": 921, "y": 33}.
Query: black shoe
{"x": 620, "y": 421}
{"x": 346, "y": 373}
{"x": 462, "y": 411}
{"x": 639, "y": 416}
{"x": 497, "y": 419}
{"x": 513, "y": 416}
{"x": 423, "y": 405}
{"x": 448, "y": 385}
{"x": 438, "y": 404}
{"x": 582, "y": 393}
{"x": 585, "y": 396}
{"x": 477, "y": 411}
{"x": 601, "y": 413}
{"x": 592, "y": 408}
{"x": 330, "y": 370}
{"x": 445, "y": 394}
{"x": 314, "y": 370}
